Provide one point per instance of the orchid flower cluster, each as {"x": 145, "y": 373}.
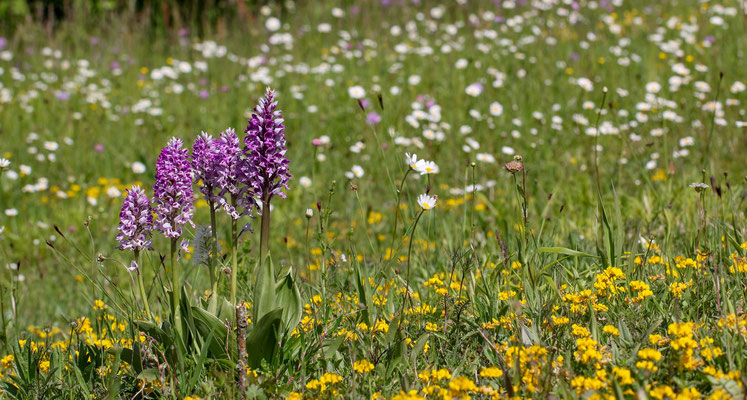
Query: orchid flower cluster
{"x": 239, "y": 180}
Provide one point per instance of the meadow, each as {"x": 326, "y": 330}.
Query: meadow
{"x": 377, "y": 199}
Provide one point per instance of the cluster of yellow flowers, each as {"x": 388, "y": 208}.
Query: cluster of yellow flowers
{"x": 642, "y": 291}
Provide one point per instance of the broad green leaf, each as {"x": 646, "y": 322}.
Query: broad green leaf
{"x": 288, "y": 297}
{"x": 262, "y": 341}
{"x": 264, "y": 289}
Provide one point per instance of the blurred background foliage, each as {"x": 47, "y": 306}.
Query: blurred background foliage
{"x": 203, "y": 16}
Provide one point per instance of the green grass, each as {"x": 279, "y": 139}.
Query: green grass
{"x": 485, "y": 284}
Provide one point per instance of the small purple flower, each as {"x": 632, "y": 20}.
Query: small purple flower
{"x": 373, "y": 118}
{"x": 62, "y": 95}
{"x": 265, "y": 149}
{"x": 98, "y": 147}
{"x": 364, "y": 103}
{"x": 172, "y": 192}
{"x": 135, "y": 221}
{"x": 204, "y": 94}
{"x": 3, "y": 42}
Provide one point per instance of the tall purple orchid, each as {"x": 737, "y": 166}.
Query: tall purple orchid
{"x": 173, "y": 205}
{"x": 265, "y": 148}
{"x": 265, "y": 151}
{"x": 135, "y": 227}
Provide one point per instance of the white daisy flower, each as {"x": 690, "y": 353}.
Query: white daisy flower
{"x": 411, "y": 160}
{"x": 485, "y": 157}
{"x": 496, "y": 109}
{"x": 272, "y": 24}
{"x": 474, "y": 89}
{"x": 653, "y": 87}
{"x": 426, "y": 202}
{"x": 585, "y": 84}
{"x": 113, "y": 192}
{"x": 426, "y": 167}
{"x": 138, "y": 167}
{"x": 356, "y": 92}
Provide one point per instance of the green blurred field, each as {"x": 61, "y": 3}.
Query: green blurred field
{"x": 84, "y": 107}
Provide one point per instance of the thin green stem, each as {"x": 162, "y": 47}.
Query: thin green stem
{"x": 264, "y": 235}
{"x": 175, "y": 284}
{"x": 396, "y": 211}
{"x": 214, "y": 256}
{"x": 234, "y": 251}
{"x": 141, "y": 286}
{"x": 409, "y": 257}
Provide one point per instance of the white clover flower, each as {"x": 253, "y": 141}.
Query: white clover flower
{"x": 305, "y": 181}
{"x": 426, "y": 202}
{"x": 309, "y": 213}
{"x": 357, "y": 171}
{"x": 4, "y": 163}
{"x": 11, "y": 212}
